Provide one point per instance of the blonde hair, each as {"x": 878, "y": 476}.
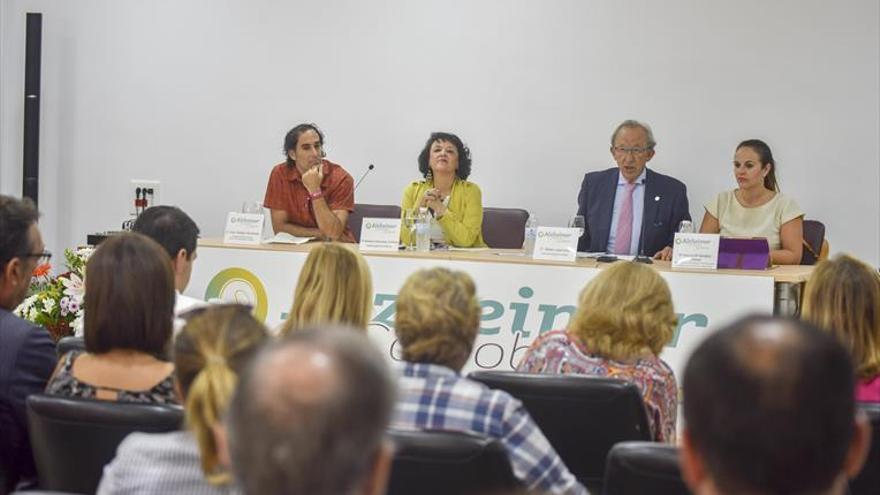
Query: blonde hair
{"x": 438, "y": 317}
{"x": 843, "y": 297}
{"x": 334, "y": 287}
{"x": 209, "y": 353}
{"x": 624, "y": 312}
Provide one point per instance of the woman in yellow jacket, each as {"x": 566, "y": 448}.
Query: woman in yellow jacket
{"x": 455, "y": 204}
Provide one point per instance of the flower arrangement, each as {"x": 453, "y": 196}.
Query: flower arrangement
{"x": 57, "y": 303}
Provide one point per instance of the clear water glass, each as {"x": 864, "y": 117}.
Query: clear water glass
{"x": 577, "y": 222}
{"x": 253, "y": 207}
{"x": 409, "y": 223}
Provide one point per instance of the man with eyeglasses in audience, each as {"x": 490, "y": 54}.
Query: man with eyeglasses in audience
{"x": 27, "y": 353}
{"x": 630, "y": 209}
{"x": 769, "y": 408}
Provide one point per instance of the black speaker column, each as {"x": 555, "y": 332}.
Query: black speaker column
{"x": 30, "y": 186}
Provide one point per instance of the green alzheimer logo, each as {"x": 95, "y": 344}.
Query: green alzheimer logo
{"x": 240, "y": 286}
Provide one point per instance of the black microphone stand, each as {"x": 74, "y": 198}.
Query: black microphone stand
{"x": 369, "y": 169}
{"x": 640, "y": 256}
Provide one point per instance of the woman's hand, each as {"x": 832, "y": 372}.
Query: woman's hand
{"x": 432, "y": 200}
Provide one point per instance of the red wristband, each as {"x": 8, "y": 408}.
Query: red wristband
{"x": 316, "y": 195}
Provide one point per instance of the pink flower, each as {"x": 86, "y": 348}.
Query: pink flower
{"x": 73, "y": 286}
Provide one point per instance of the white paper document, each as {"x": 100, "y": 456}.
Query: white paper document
{"x": 285, "y": 238}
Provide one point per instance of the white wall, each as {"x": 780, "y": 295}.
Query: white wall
{"x": 198, "y": 94}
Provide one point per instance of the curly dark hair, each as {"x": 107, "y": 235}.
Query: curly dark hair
{"x": 464, "y": 154}
{"x": 292, "y": 137}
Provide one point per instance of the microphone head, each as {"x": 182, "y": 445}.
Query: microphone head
{"x": 371, "y": 167}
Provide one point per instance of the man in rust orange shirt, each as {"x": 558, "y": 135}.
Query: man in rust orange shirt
{"x": 308, "y": 195}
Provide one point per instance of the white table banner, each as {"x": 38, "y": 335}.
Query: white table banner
{"x": 519, "y": 300}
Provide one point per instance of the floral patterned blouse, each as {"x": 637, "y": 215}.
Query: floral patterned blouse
{"x": 559, "y": 352}
{"x": 64, "y": 383}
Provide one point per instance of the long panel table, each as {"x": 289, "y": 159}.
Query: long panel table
{"x": 520, "y": 297}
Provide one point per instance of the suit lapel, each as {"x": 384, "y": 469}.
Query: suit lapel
{"x": 649, "y": 210}
{"x": 607, "y": 191}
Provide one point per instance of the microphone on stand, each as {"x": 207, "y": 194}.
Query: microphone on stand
{"x": 369, "y": 169}
{"x": 640, "y": 257}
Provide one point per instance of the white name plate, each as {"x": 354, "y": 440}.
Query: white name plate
{"x": 695, "y": 251}
{"x": 556, "y": 244}
{"x": 380, "y": 234}
{"x": 243, "y": 228}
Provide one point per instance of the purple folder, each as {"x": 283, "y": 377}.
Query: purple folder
{"x": 743, "y": 253}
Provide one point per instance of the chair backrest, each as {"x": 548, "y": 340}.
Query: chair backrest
{"x": 5, "y": 481}
{"x": 73, "y": 439}
{"x": 42, "y": 492}
{"x": 504, "y": 228}
{"x": 814, "y": 238}
{"x": 868, "y": 481}
{"x": 582, "y": 416}
{"x": 442, "y": 462}
{"x": 634, "y": 468}
{"x": 67, "y": 344}
{"x": 362, "y": 211}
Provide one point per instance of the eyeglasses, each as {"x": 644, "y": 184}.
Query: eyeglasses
{"x": 630, "y": 151}
{"x": 42, "y": 258}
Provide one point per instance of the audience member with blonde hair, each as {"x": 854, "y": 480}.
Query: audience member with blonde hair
{"x": 623, "y": 320}
{"x": 843, "y": 297}
{"x": 437, "y": 320}
{"x": 129, "y": 307}
{"x": 334, "y": 287}
{"x": 209, "y": 353}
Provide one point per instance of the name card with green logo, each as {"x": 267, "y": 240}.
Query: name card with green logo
{"x": 695, "y": 251}
{"x": 380, "y": 234}
{"x": 556, "y": 244}
{"x": 243, "y": 228}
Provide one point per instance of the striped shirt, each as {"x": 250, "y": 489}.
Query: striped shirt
{"x": 433, "y": 397}
{"x": 153, "y": 463}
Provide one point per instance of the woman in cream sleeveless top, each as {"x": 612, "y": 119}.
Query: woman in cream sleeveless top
{"x": 757, "y": 208}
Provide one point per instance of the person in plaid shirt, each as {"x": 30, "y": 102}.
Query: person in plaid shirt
{"x": 437, "y": 320}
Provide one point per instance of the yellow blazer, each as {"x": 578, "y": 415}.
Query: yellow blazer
{"x": 463, "y": 222}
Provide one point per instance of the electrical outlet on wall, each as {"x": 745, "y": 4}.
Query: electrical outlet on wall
{"x": 142, "y": 194}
